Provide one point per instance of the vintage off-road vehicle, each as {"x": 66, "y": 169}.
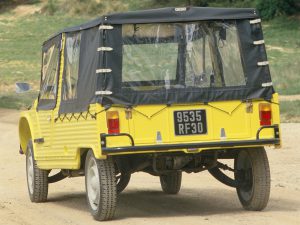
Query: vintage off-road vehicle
{"x": 161, "y": 91}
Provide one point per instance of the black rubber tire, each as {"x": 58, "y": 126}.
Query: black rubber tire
{"x": 123, "y": 182}
{"x": 106, "y": 206}
{"x": 171, "y": 182}
{"x": 253, "y": 187}
{"x": 39, "y": 191}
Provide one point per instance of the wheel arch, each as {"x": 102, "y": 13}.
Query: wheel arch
{"x": 82, "y": 153}
{"x": 25, "y": 133}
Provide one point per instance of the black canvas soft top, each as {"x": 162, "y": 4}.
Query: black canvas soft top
{"x": 183, "y": 14}
{"x": 100, "y": 69}
{"x": 166, "y": 15}
{"x": 90, "y": 24}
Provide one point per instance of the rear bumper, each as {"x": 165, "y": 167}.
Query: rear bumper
{"x": 216, "y": 144}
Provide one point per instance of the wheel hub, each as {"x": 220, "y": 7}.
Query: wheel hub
{"x": 93, "y": 186}
{"x": 30, "y": 171}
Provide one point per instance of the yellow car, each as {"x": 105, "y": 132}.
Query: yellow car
{"x": 160, "y": 91}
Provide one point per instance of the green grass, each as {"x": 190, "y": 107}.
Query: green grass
{"x": 290, "y": 111}
{"x": 14, "y": 101}
{"x": 20, "y": 45}
{"x": 21, "y": 40}
{"x": 283, "y": 48}
{"x": 20, "y": 52}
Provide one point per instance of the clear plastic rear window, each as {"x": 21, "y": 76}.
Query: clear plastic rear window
{"x": 179, "y": 55}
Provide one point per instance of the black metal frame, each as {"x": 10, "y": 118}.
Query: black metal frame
{"x": 162, "y": 147}
{"x": 104, "y": 136}
{"x": 275, "y": 127}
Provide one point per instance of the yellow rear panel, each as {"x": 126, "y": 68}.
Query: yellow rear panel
{"x": 239, "y": 120}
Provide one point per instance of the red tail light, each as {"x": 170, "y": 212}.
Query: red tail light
{"x": 265, "y": 114}
{"x": 113, "y": 123}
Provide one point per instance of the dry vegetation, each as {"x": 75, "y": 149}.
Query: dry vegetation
{"x": 23, "y": 28}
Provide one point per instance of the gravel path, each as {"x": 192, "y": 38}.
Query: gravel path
{"x": 202, "y": 199}
{"x": 289, "y": 97}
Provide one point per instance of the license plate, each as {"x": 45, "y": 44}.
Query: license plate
{"x": 190, "y": 122}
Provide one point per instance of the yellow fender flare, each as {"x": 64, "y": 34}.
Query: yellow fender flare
{"x": 25, "y": 132}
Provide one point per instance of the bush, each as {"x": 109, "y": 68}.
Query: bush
{"x": 12, "y": 3}
{"x": 202, "y": 3}
{"x": 270, "y": 8}
{"x": 84, "y": 7}
{"x": 50, "y": 7}
{"x": 233, "y": 3}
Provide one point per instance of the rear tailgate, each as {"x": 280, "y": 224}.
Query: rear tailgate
{"x": 190, "y": 123}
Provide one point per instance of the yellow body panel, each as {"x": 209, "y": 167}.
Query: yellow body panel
{"x": 67, "y": 136}
{"x": 231, "y": 115}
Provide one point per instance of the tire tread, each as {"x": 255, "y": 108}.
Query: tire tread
{"x": 171, "y": 183}
{"x": 108, "y": 191}
{"x": 261, "y": 182}
{"x": 40, "y": 186}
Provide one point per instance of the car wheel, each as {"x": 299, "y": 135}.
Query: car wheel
{"x": 171, "y": 182}
{"x": 37, "y": 179}
{"x": 100, "y": 183}
{"x": 252, "y": 174}
{"x": 122, "y": 181}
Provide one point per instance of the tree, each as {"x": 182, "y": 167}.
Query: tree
{"x": 270, "y": 8}
{"x": 178, "y": 3}
{"x": 202, "y": 3}
{"x": 12, "y": 3}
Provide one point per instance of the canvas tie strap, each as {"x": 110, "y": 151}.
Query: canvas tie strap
{"x": 180, "y": 9}
{"x": 267, "y": 84}
{"x": 264, "y": 63}
{"x": 103, "y": 92}
{"x": 255, "y": 21}
{"x": 105, "y": 27}
{"x": 259, "y": 42}
{"x": 107, "y": 70}
{"x": 104, "y": 49}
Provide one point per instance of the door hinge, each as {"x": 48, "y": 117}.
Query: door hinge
{"x": 249, "y": 107}
{"x": 128, "y": 113}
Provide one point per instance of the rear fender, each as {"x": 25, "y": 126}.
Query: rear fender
{"x": 25, "y": 133}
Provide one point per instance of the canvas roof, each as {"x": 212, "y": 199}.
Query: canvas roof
{"x": 167, "y": 15}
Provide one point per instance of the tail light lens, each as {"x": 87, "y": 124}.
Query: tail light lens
{"x": 113, "y": 123}
{"x": 265, "y": 114}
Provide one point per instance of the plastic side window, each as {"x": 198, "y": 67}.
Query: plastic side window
{"x": 71, "y": 71}
{"x": 49, "y": 73}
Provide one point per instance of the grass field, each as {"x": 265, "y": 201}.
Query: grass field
{"x": 283, "y": 48}
{"x": 21, "y": 38}
{"x": 290, "y": 111}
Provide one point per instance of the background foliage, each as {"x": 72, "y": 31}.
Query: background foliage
{"x": 271, "y": 8}
{"x": 25, "y": 24}
{"x": 268, "y": 8}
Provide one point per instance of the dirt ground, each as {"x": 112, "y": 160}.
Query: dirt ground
{"x": 289, "y": 97}
{"x": 202, "y": 199}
